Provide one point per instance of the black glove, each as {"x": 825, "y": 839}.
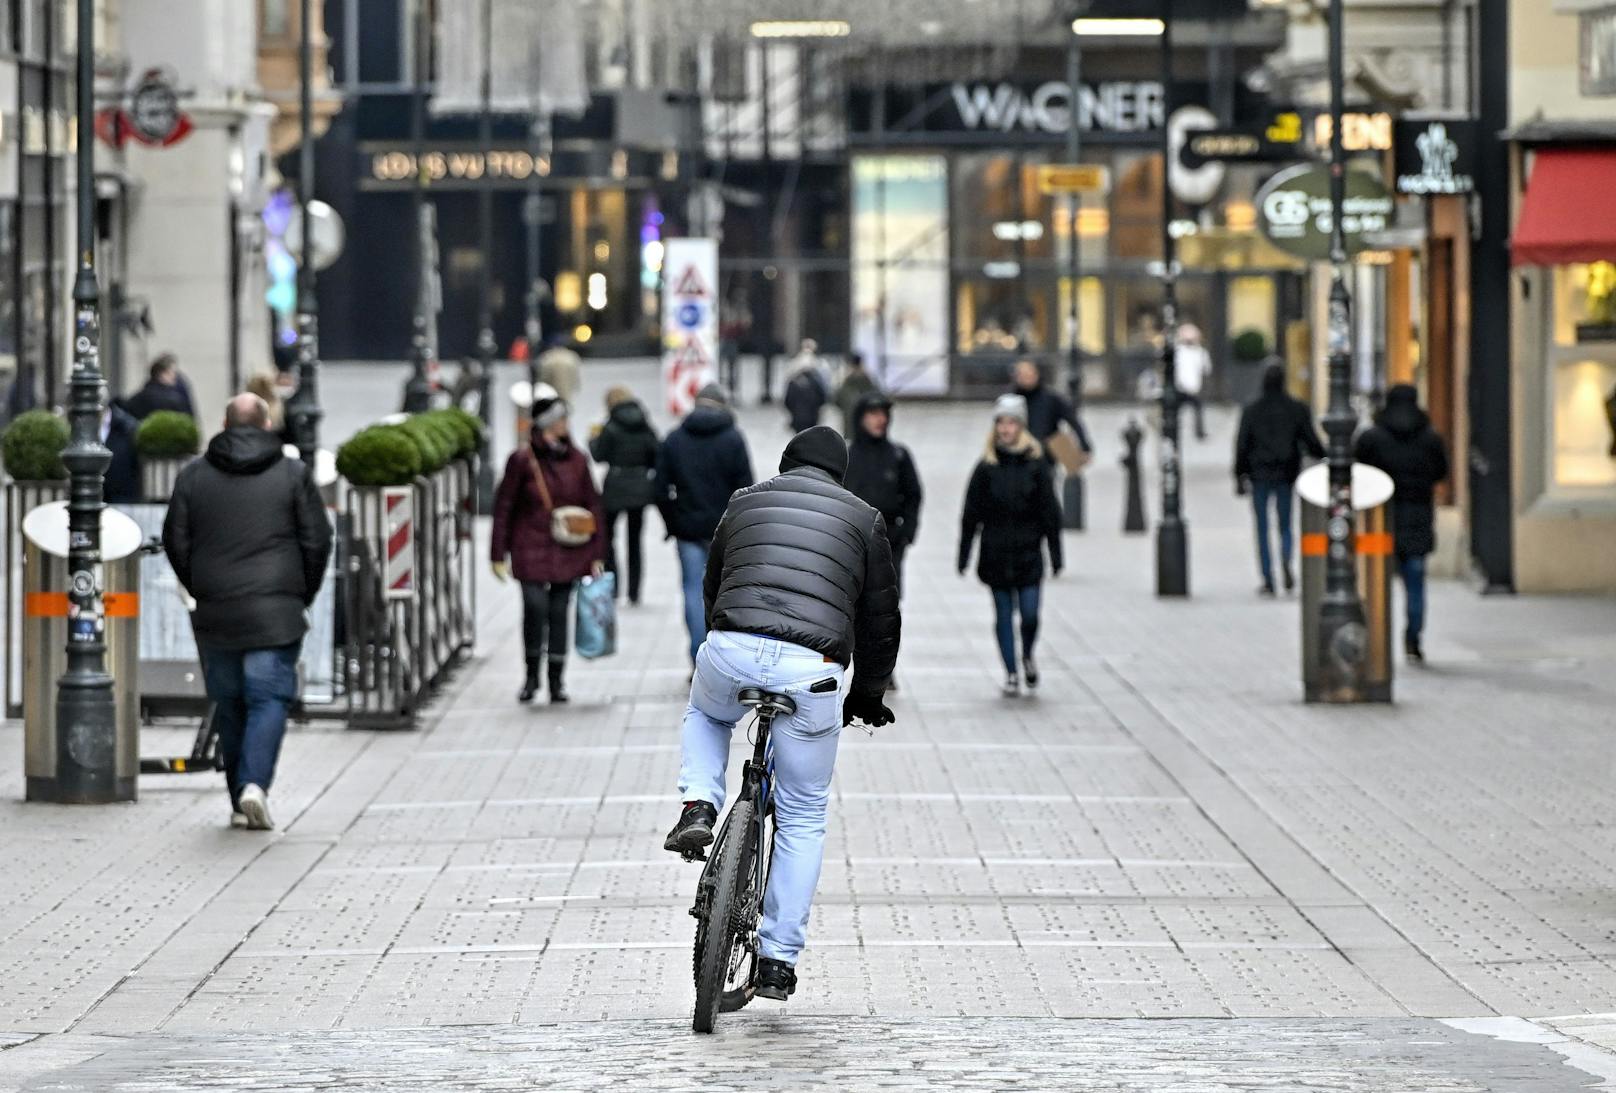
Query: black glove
{"x": 866, "y": 708}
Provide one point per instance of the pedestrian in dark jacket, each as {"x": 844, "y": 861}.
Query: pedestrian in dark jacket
{"x": 249, "y": 539}
{"x": 1011, "y": 501}
{"x": 546, "y": 474}
{"x": 700, "y": 464}
{"x": 627, "y": 444}
{"x": 851, "y": 391}
{"x": 121, "y": 486}
{"x": 882, "y": 475}
{"x": 1047, "y": 409}
{"x": 1276, "y": 430}
{"x": 807, "y": 387}
{"x": 164, "y": 390}
{"x": 798, "y": 584}
{"x": 1404, "y": 445}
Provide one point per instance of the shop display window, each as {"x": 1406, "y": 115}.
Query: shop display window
{"x": 1583, "y": 408}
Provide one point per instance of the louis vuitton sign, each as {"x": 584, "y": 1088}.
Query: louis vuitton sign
{"x": 1435, "y": 155}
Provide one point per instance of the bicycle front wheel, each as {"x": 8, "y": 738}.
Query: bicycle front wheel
{"x": 717, "y": 939}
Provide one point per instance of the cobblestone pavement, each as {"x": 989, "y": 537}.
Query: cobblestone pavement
{"x": 1251, "y": 892}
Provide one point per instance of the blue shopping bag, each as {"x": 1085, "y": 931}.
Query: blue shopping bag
{"x": 595, "y": 633}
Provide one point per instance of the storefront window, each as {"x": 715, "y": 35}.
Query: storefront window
{"x": 1582, "y": 376}
{"x": 900, "y": 249}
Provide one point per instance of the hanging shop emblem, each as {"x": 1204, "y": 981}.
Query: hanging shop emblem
{"x": 1435, "y": 156}
{"x": 1294, "y": 211}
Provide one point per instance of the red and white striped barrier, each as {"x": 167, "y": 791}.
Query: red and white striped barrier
{"x": 398, "y": 573}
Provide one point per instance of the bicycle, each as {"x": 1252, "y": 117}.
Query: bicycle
{"x": 729, "y": 895}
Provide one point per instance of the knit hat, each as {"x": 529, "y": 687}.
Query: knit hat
{"x": 714, "y": 395}
{"x": 1012, "y": 406}
{"x": 548, "y": 406}
{"x": 821, "y": 447}
{"x": 615, "y": 396}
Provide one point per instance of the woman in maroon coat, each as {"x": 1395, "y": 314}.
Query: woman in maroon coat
{"x": 546, "y": 569}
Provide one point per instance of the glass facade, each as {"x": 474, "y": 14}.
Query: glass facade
{"x": 1581, "y": 378}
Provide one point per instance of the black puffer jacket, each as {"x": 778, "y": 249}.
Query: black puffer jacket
{"x": 700, "y": 464}
{"x": 248, "y": 537}
{"x": 628, "y": 446}
{"x": 1403, "y": 444}
{"x": 800, "y": 559}
{"x": 1011, "y": 501}
{"x": 882, "y": 475}
{"x": 1275, "y": 430}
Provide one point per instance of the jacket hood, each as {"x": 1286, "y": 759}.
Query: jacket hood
{"x": 875, "y": 400}
{"x": 630, "y": 415}
{"x": 244, "y": 449}
{"x": 707, "y": 421}
{"x": 1402, "y": 416}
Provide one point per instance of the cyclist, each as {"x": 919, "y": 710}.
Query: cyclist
{"x": 799, "y": 582}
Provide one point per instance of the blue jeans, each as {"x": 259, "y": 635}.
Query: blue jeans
{"x": 1006, "y": 602}
{"x": 692, "y": 568}
{"x": 1279, "y": 493}
{"x": 1412, "y": 570}
{"x": 802, "y": 757}
{"x": 252, "y": 691}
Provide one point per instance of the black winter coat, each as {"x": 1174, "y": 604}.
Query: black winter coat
{"x": 1275, "y": 430}
{"x": 122, "y": 483}
{"x": 800, "y": 559}
{"x": 248, "y": 537}
{"x": 700, "y": 464}
{"x": 156, "y": 396}
{"x": 628, "y": 446}
{"x": 1046, "y": 409}
{"x": 1403, "y": 444}
{"x": 1011, "y": 500}
{"x": 805, "y": 398}
{"x": 882, "y": 475}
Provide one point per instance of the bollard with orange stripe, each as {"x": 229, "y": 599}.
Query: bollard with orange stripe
{"x": 53, "y": 605}
{"x": 1368, "y": 544}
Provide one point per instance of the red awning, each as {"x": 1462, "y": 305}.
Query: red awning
{"x": 1569, "y": 213}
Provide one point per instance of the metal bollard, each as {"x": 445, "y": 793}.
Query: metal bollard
{"x": 1371, "y": 498}
{"x": 1133, "y": 517}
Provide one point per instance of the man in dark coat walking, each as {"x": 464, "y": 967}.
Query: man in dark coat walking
{"x": 627, "y": 444}
{"x": 700, "y": 464}
{"x": 1046, "y": 409}
{"x": 249, "y": 539}
{"x": 1404, "y": 445}
{"x": 164, "y": 390}
{"x": 882, "y": 475}
{"x": 122, "y": 482}
{"x": 1275, "y": 431}
{"x": 798, "y": 585}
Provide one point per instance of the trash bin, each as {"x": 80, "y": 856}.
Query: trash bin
{"x": 1371, "y": 494}
{"x": 44, "y": 637}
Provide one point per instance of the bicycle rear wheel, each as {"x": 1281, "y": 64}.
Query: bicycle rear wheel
{"x": 717, "y": 938}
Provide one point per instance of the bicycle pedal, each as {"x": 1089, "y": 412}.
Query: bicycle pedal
{"x": 693, "y": 855}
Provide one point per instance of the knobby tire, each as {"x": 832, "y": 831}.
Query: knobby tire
{"x": 716, "y": 936}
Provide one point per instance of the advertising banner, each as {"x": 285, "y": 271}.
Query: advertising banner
{"x": 689, "y": 320}
{"x": 900, "y": 271}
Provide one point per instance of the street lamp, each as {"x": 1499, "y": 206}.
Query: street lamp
{"x": 1072, "y": 489}
{"x": 86, "y": 717}
{"x": 418, "y": 391}
{"x": 1343, "y": 635}
{"x": 1172, "y": 534}
{"x": 485, "y": 237}
{"x": 303, "y": 409}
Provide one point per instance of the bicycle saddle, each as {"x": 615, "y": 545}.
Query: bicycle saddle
{"x": 769, "y": 702}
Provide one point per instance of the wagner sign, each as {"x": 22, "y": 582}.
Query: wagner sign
{"x": 1294, "y": 210}
{"x": 982, "y": 109}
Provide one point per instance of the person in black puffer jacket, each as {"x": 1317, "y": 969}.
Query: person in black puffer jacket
{"x": 1011, "y": 501}
{"x": 699, "y": 466}
{"x": 800, "y": 582}
{"x": 1404, "y": 445}
{"x": 1275, "y": 431}
{"x": 628, "y": 446}
{"x": 249, "y": 539}
{"x": 882, "y": 475}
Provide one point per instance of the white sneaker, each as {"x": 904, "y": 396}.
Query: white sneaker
{"x": 1012, "y": 686}
{"x": 255, "y": 805}
{"x": 238, "y": 820}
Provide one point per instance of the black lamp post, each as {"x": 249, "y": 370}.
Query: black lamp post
{"x": 303, "y": 408}
{"x": 1343, "y": 635}
{"x": 86, "y": 717}
{"x": 1072, "y": 490}
{"x": 418, "y": 391}
{"x": 1172, "y": 534}
{"x": 486, "y": 347}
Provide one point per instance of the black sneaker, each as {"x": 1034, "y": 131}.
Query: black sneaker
{"x": 1411, "y": 648}
{"x": 1029, "y": 672}
{"x": 1266, "y": 590}
{"x": 694, "y": 829}
{"x": 775, "y": 979}
{"x": 1290, "y": 578}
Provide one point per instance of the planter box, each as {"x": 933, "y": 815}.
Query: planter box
{"x": 157, "y": 478}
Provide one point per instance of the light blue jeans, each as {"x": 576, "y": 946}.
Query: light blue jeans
{"x": 692, "y": 568}
{"x": 803, "y": 757}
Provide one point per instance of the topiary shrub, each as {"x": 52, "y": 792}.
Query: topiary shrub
{"x": 382, "y": 455}
{"x": 465, "y": 428}
{"x": 168, "y": 434}
{"x": 437, "y": 448}
{"x": 32, "y": 447}
{"x": 1249, "y": 345}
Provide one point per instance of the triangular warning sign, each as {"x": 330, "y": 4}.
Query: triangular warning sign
{"x": 690, "y": 284}
{"x": 690, "y": 356}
